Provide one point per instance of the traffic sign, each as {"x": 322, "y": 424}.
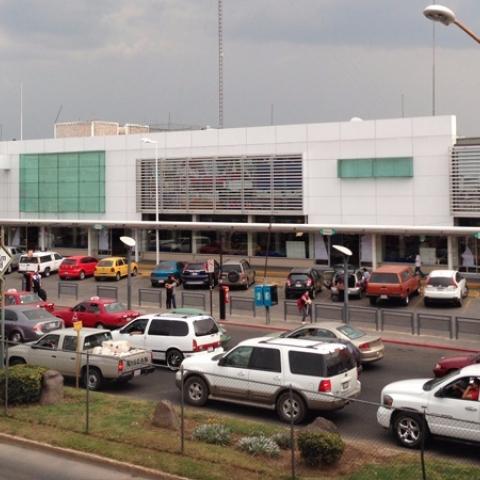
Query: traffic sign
{"x": 210, "y": 265}
{"x": 77, "y": 326}
{"x": 327, "y": 231}
{"x": 5, "y": 259}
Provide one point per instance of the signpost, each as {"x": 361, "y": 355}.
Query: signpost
{"x": 328, "y": 231}
{"x": 77, "y": 326}
{"x": 211, "y": 278}
{"x": 5, "y": 260}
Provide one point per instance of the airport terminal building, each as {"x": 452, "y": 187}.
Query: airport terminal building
{"x": 387, "y": 189}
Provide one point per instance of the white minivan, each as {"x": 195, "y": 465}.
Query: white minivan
{"x": 172, "y": 337}
{"x": 44, "y": 262}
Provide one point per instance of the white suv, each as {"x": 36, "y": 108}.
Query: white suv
{"x": 449, "y": 411}
{"x": 172, "y": 337}
{"x": 445, "y": 285}
{"x": 45, "y": 262}
{"x": 260, "y": 371}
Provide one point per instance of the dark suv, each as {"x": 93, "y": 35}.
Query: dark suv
{"x": 196, "y": 275}
{"x": 300, "y": 280}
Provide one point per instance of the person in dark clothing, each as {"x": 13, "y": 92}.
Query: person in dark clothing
{"x": 170, "y": 286}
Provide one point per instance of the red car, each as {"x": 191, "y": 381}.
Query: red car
{"x": 77, "y": 267}
{"x": 98, "y": 312}
{"x": 447, "y": 364}
{"x": 15, "y": 297}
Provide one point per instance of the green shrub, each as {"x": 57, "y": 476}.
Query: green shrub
{"x": 320, "y": 447}
{"x": 24, "y": 384}
{"x": 212, "y": 433}
{"x": 260, "y": 445}
{"x": 283, "y": 440}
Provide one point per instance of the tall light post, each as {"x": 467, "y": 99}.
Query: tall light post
{"x": 347, "y": 253}
{"x": 157, "y": 239}
{"x": 439, "y": 13}
{"x": 130, "y": 243}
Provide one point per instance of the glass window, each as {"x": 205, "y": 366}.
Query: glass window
{"x": 105, "y": 263}
{"x": 48, "y": 341}
{"x": 38, "y": 314}
{"x": 178, "y": 328}
{"x": 350, "y": 332}
{"x": 10, "y": 316}
{"x": 267, "y": 359}
{"x": 383, "y": 277}
{"x": 114, "y": 307}
{"x": 404, "y": 249}
{"x": 206, "y": 326}
{"x": 322, "y": 332}
{"x": 159, "y": 327}
{"x": 136, "y": 327}
{"x": 93, "y": 308}
{"x": 440, "y": 281}
{"x": 69, "y": 261}
{"x": 96, "y": 340}
{"x": 70, "y": 343}
{"x": 304, "y": 363}
{"x": 239, "y": 358}
{"x": 339, "y": 361}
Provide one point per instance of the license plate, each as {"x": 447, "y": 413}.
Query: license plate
{"x": 345, "y": 385}
{"x": 137, "y": 373}
{"x": 383, "y": 297}
{"x": 298, "y": 284}
{"x": 194, "y": 274}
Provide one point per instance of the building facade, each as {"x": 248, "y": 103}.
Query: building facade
{"x": 388, "y": 189}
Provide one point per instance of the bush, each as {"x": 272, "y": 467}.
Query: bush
{"x": 24, "y": 384}
{"x": 283, "y": 440}
{"x": 260, "y": 445}
{"x": 320, "y": 447}
{"x": 212, "y": 433}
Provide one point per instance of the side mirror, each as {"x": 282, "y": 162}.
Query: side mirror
{"x": 440, "y": 393}
{"x": 222, "y": 362}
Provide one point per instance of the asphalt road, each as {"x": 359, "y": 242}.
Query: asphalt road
{"x": 19, "y": 463}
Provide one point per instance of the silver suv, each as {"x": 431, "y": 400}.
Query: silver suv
{"x": 16, "y": 253}
{"x": 237, "y": 273}
{"x": 260, "y": 371}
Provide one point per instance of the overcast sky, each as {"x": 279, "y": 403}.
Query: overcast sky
{"x": 145, "y": 61}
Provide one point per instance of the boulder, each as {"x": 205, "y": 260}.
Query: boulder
{"x": 52, "y": 388}
{"x": 165, "y": 416}
{"x": 321, "y": 423}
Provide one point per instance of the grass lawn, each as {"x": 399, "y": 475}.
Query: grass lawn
{"x": 121, "y": 429}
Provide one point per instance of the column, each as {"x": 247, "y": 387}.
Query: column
{"x": 194, "y": 235}
{"x": 452, "y": 252}
{"x": 137, "y": 244}
{"x": 41, "y": 239}
{"x": 375, "y": 244}
{"x": 89, "y": 241}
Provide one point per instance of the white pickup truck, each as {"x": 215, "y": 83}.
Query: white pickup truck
{"x": 108, "y": 360}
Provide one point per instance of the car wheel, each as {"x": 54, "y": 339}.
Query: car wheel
{"x": 117, "y": 277}
{"x": 134, "y": 272}
{"x": 82, "y": 275}
{"x": 373, "y": 301}
{"x": 94, "y": 379}
{"x": 195, "y": 391}
{"x": 408, "y": 430}
{"x": 100, "y": 326}
{"x": 16, "y": 361}
{"x": 174, "y": 359}
{"x": 288, "y": 407}
{"x": 46, "y": 273}
{"x": 15, "y": 337}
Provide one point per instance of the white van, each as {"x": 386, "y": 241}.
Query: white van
{"x": 45, "y": 262}
{"x": 172, "y": 337}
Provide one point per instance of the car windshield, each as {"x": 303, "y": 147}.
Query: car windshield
{"x": 439, "y": 281}
{"x": 381, "y": 277}
{"x": 27, "y": 298}
{"x": 38, "y": 314}
{"x": 195, "y": 266}
{"x": 205, "y": 326}
{"x": 69, "y": 261}
{"x": 298, "y": 277}
{"x": 115, "y": 307}
{"x": 430, "y": 384}
{"x": 165, "y": 266}
{"x": 105, "y": 263}
{"x": 231, "y": 268}
{"x": 338, "y": 362}
{"x": 350, "y": 332}
{"x": 27, "y": 259}
{"x": 96, "y": 340}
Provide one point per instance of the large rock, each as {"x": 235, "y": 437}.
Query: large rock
{"x": 323, "y": 424}
{"x": 52, "y": 388}
{"x": 165, "y": 416}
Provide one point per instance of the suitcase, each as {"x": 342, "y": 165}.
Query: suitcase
{"x": 42, "y": 294}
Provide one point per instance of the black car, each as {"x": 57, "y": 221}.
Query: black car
{"x": 195, "y": 274}
{"x": 300, "y": 280}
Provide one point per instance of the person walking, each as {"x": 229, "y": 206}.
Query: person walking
{"x": 304, "y": 304}
{"x": 170, "y": 286}
{"x": 418, "y": 265}
{"x": 37, "y": 285}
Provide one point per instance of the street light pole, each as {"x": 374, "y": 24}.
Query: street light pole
{"x": 446, "y": 16}
{"x": 347, "y": 253}
{"x": 130, "y": 243}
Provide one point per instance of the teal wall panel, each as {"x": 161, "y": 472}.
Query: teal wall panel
{"x": 375, "y": 167}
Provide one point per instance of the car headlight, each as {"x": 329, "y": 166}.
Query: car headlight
{"x": 387, "y": 401}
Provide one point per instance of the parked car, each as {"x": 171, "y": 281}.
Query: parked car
{"x": 196, "y": 275}
{"x": 370, "y": 346}
{"x": 449, "y": 364}
{"x": 19, "y": 297}
{"x": 163, "y": 270}
{"x": 237, "y": 273}
{"x": 392, "y": 281}
{"x": 172, "y": 337}
{"x": 445, "y": 286}
{"x": 25, "y": 323}
{"x": 300, "y": 280}
{"x": 440, "y": 399}
{"x": 114, "y": 268}
{"x": 15, "y": 252}
{"x": 43, "y": 262}
{"x": 98, "y": 313}
{"x": 56, "y": 350}
{"x": 259, "y": 372}
{"x": 77, "y": 267}
{"x": 357, "y": 284}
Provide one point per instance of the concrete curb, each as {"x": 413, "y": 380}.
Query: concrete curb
{"x": 409, "y": 343}
{"x": 90, "y": 458}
